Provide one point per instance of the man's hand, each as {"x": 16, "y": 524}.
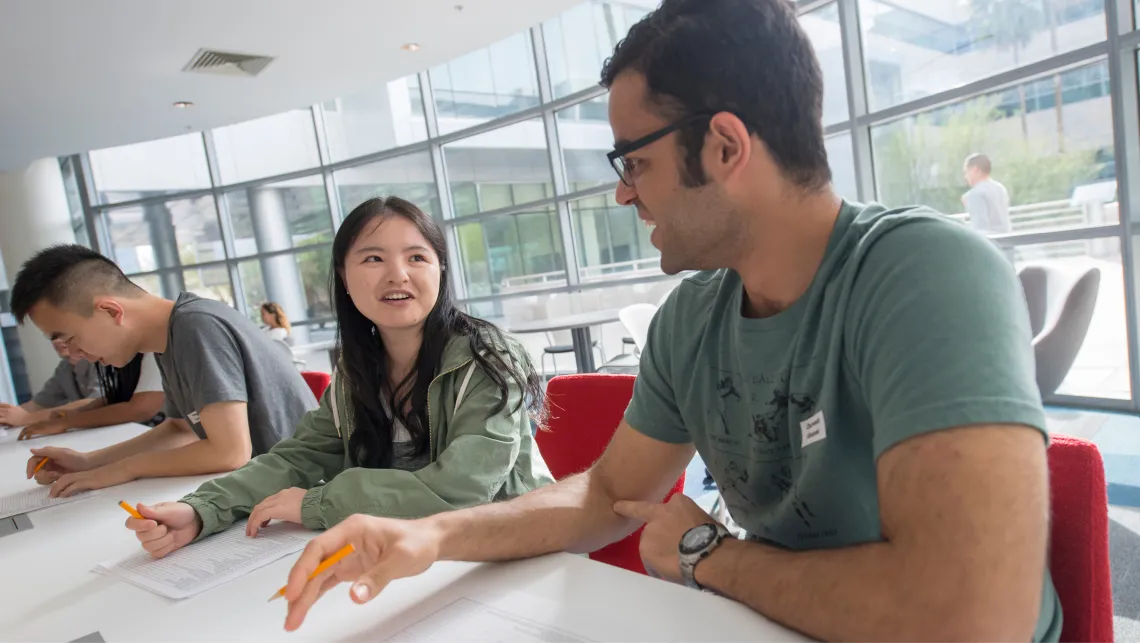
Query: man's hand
{"x": 105, "y": 476}
{"x": 11, "y": 415}
{"x": 54, "y": 426}
{"x": 166, "y": 527}
{"x": 61, "y": 461}
{"x": 385, "y": 549}
{"x": 665, "y": 524}
{"x": 283, "y": 505}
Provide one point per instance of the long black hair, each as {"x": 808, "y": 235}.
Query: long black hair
{"x": 364, "y": 361}
{"x": 118, "y": 383}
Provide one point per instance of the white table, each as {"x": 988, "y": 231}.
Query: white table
{"x": 579, "y": 327}
{"x": 48, "y": 593}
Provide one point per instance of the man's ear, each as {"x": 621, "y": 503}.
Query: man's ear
{"x": 108, "y": 306}
{"x": 730, "y": 146}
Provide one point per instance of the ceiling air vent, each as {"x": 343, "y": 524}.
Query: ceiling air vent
{"x": 225, "y": 63}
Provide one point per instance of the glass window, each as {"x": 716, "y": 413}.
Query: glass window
{"x": 611, "y": 241}
{"x": 485, "y": 84}
{"x": 167, "y": 234}
{"x": 508, "y": 311}
{"x": 408, "y": 177}
{"x": 512, "y": 253}
{"x": 267, "y": 146}
{"x": 168, "y": 165}
{"x": 380, "y": 119}
{"x": 1101, "y": 366}
{"x": 74, "y": 204}
{"x": 580, "y": 40}
{"x": 497, "y": 169}
{"x": 280, "y": 216}
{"x": 841, "y": 158}
{"x": 585, "y": 135}
{"x": 150, "y": 283}
{"x": 210, "y": 283}
{"x": 299, "y": 282}
{"x": 1056, "y": 165}
{"x": 914, "y": 48}
{"x": 822, "y": 27}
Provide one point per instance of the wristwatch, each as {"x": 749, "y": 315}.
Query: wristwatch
{"x": 696, "y": 545}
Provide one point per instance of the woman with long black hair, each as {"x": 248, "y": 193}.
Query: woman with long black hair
{"x": 132, "y": 393}
{"x": 428, "y": 411}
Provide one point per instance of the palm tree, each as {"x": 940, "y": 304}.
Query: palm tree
{"x": 1009, "y": 24}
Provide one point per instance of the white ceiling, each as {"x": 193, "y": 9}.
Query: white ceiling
{"x": 77, "y": 75}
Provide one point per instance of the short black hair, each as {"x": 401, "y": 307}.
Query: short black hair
{"x": 980, "y": 162}
{"x": 747, "y": 57}
{"x": 67, "y": 276}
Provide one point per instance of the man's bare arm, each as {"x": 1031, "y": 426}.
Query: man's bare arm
{"x": 227, "y": 447}
{"x": 140, "y": 408}
{"x": 170, "y": 434}
{"x": 965, "y": 518}
{"x": 575, "y": 514}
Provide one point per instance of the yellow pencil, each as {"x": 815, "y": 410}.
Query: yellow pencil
{"x": 325, "y": 564}
{"x": 40, "y": 466}
{"x": 131, "y": 510}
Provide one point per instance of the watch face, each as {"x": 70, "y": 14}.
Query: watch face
{"x": 697, "y": 539}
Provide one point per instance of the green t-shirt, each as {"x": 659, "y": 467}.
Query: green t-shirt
{"x": 912, "y": 324}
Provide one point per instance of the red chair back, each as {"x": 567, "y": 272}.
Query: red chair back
{"x": 1078, "y": 558}
{"x": 585, "y": 410}
{"x": 317, "y": 382}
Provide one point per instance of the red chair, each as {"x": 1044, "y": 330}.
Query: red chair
{"x": 585, "y": 410}
{"x": 1079, "y": 548}
{"x": 317, "y": 382}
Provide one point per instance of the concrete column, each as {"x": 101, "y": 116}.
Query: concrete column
{"x": 164, "y": 240}
{"x": 280, "y": 274}
{"x": 33, "y": 215}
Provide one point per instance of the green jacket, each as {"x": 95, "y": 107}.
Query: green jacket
{"x": 476, "y": 458}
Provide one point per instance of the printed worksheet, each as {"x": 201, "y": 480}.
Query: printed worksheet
{"x": 23, "y": 502}
{"x": 205, "y": 564}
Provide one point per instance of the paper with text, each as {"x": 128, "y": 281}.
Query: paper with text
{"x": 205, "y": 564}
{"x": 470, "y": 620}
{"x": 38, "y": 498}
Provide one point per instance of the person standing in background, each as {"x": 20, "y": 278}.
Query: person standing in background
{"x": 276, "y": 322}
{"x": 987, "y": 201}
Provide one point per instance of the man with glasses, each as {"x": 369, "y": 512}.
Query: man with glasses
{"x": 884, "y": 452}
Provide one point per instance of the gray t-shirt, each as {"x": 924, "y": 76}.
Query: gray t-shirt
{"x": 214, "y": 354}
{"x": 69, "y": 383}
{"x": 988, "y": 205}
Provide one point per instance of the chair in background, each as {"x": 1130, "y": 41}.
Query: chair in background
{"x": 554, "y": 350}
{"x": 585, "y": 410}
{"x": 1078, "y": 556}
{"x": 1060, "y": 311}
{"x": 317, "y": 382}
{"x": 636, "y": 319}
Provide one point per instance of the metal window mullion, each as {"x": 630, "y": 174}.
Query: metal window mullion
{"x": 82, "y": 173}
{"x": 442, "y": 189}
{"x": 1122, "y": 70}
{"x": 332, "y": 197}
{"x": 225, "y": 222}
{"x": 857, "y": 107}
{"x": 554, "y": 156}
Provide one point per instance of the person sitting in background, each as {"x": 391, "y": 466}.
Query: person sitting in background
{"x": 74, "y": 383}
{"x": 229, "y": 394}
{"x": 276, "y": 322}
{"x": 427, "y": 413}
{"x": 132, "y": 393}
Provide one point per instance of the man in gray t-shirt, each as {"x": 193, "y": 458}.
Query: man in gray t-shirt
{"x": 987, "y": 201}
{"x": 214, "y": 354}
{"x": 231, "y": 394}
{"x": 73, "y": 382}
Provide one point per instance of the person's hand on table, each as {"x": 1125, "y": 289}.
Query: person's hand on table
{"x": 60, "y": 461}
{"x": 54, "y": 426}
{"x": 385, "y": 550}
{"x": 166, "y": 527}
{"x": 99, "y": 478}
{"x": 665, "y": 524}
{"x": 11, "y": 415}
{"x": 283, "y": 505}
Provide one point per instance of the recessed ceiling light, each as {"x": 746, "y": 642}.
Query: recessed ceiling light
{"x": 183, "y": 104}
{"x": 411, "y": 46}
{"x": 459, "y": 7}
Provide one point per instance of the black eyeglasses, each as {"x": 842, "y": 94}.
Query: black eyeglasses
{"x": 617, "y": 157}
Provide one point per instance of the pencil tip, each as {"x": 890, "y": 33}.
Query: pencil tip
{"x": 274, "y": 597}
